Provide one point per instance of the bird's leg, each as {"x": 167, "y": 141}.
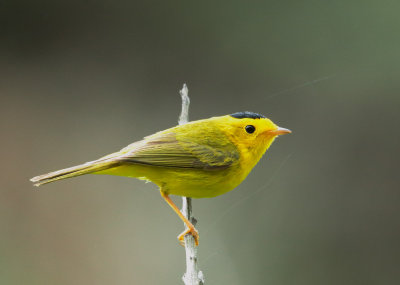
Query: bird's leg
{"x": 191, "y": 229}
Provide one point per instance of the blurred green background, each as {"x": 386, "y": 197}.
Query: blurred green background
{"x": 80, "y": 79}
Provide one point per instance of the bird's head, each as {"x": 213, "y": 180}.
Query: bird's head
{"x": 252, "y": 133}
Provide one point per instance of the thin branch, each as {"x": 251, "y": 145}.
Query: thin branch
{"x": 193, "y": 275}
{"x": 184, "y": 117}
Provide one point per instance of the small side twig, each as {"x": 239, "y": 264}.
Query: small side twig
{"x": 192, "y": 276}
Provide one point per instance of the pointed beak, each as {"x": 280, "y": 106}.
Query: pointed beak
{"x": 279, "y": 131}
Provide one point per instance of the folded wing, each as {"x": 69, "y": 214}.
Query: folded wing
{"x": 168, "y": 150}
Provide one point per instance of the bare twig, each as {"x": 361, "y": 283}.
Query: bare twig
{"x": 184, "y": 117}
{"x": 193, "y": 275}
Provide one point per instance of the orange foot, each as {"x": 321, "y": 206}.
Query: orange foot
{"x": 191, "y": 230}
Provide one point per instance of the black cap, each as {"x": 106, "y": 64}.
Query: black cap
{"x": 249, "y": 115}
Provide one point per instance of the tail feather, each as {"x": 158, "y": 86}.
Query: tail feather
{"x": 86, "y": 168}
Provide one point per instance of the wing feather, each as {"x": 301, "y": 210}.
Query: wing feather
{"x": 165, "y": 150}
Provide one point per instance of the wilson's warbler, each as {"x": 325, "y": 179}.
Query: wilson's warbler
{"x": 200, "y": 159}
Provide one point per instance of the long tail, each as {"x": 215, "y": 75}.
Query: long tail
{"x": 86, "y": 168}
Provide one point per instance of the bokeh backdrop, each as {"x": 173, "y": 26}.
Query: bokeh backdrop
{"x": 80, "y": 79}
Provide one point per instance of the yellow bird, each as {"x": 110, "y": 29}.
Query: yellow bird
{"x": 200, "y": 159}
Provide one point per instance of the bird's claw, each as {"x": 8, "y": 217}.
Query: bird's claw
{"x": 193, "y": 232}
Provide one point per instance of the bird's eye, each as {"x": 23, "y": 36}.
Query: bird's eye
{"x": 250, "y": 129}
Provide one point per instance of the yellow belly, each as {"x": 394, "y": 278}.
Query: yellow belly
{"x": 184, "y": 182}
